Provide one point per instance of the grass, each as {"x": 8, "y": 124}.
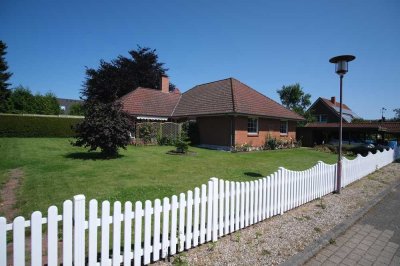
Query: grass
{"x": 55, "y": 171}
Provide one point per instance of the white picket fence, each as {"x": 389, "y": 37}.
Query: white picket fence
{"x": 144, "y": 234}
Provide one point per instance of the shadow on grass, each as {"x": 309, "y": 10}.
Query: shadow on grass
{"x": 91, "y": 156}
{"x": 252, "y": 174}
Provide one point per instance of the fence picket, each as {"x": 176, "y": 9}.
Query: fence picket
{"x": 156, "y": 233}
{"x": 268, "y": 197}
{"x": 52, "y": 236}
{"x": 174, "y": 215}
{"x": 137, "y": 252}
{"x": 116, "y": 260}
{"x": 165, "y": 227}
{"x": 196, "y": 217}
{"x": 36, "y": 238}
{"x": 242, "y": 204}
{"x": 203, "y": 209}
{"x": 79, "y": 230}
{"x": 92, "y": 232}
{"x": 67, "y": 233}
{"x": 189, "y": 217}
{"x": 221, "y": 196}
{"x": 182, "y": 205}
{"x": 251, "y": 213}
{"x": 210, "y": 203}
{"x": 215, "y": 210}
{"x": 255, "y": 212}
{"x": 247, "y": 210}
{"x": 260, "y": 199}
{"x": 237, "y": 207}
{"x": 105, "y": 233}
{"x": 232, "y": 208}
{"x": 3, "y": 241}
{"x": 19, "y": 240}
{"x": 226, "y": 216}
{"x": 128, "y": 233}
{"x": 147, "y": 232}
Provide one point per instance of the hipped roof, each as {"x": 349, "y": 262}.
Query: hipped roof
{"x": 228, "y": 96}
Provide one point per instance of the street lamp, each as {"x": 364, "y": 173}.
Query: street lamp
{"x": 341, "y": 68}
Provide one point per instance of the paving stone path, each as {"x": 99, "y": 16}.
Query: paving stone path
{"x": 374, "y": 240}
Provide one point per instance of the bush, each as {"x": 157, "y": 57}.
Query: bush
{"x": 145, "y": 133}
{"x": 106, "y": 127}
{"x": 181, "y": 146}
{"x": 165, "y": 141}
{"x": 37, "y": 126}
{"x": 272, "y": 144}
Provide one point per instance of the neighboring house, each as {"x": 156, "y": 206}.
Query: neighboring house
{"x": 326, "y": 127}
{"x": 328, "y": 111}
{"x": 227, "y": 112}
{"x": 65, "y": 104}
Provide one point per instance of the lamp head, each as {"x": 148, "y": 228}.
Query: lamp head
{"x": 341, "y": 63}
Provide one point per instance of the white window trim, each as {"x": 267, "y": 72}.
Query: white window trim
{"x": 252, "y": 133}
{"x": 287, "y": 128}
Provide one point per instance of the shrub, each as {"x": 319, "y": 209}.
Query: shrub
{"x": 181, "y": 146}
{"x": 272, "y": 144}
{"x": 165, "y": 141}
{"x": 37, "y": 126}
{"x": 145, "y": 132}
{"x": 106, "y": 127}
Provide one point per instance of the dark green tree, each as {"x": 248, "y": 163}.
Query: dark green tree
{"x": 294, "y": 98}
{"x": 111, "y": 80}
{"x": 46, "y": 104}
{"x": 105, "y": 127}
{"x": 4, "y": 77}
{"x": 22, "y": 101}
{"x": 76, "y": 109}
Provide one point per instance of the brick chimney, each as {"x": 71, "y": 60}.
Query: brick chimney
{"x": 333, "y": 99}
{"x": 164, "y": 83}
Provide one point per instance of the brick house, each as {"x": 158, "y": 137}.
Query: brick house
{"x": 227, "y": 112}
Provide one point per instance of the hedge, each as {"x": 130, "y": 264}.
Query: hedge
{"x": 37, "y": 126}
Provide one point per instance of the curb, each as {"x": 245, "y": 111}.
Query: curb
{"x": 323, "y": 241}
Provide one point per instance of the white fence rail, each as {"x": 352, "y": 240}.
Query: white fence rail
{"x": 144, "y": 233}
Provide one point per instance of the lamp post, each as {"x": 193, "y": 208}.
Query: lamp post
{"x": 341, "y": 68}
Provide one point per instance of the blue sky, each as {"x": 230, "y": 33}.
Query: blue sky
{"x": 265, "y": 44}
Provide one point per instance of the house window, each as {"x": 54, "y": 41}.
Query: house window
{"x": 284, "y": 128}
{"x": 321, "y": 118}
{"x": 252, "y": 125}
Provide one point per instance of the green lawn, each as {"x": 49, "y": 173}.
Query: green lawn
{"x": 56, "y": 171}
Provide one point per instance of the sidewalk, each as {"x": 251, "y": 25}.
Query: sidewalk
{"x": 373, "y": 240}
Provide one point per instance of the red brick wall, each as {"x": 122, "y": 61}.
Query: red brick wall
{"x": 215, "y": 130}
{"x": 266, "y": 127}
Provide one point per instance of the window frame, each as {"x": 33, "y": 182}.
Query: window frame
{"x": 286, "y": 128}
{"x": 253, "y": 119}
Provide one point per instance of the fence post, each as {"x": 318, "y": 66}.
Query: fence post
{"x": 79, "y": 230}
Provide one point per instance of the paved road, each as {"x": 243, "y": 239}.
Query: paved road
{"x": 373, "y": 240}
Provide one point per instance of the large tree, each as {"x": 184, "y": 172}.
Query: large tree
{"x": 111, "y": 80}
{"x": 4, "y": 76}
{"x": 294, "y": 98}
